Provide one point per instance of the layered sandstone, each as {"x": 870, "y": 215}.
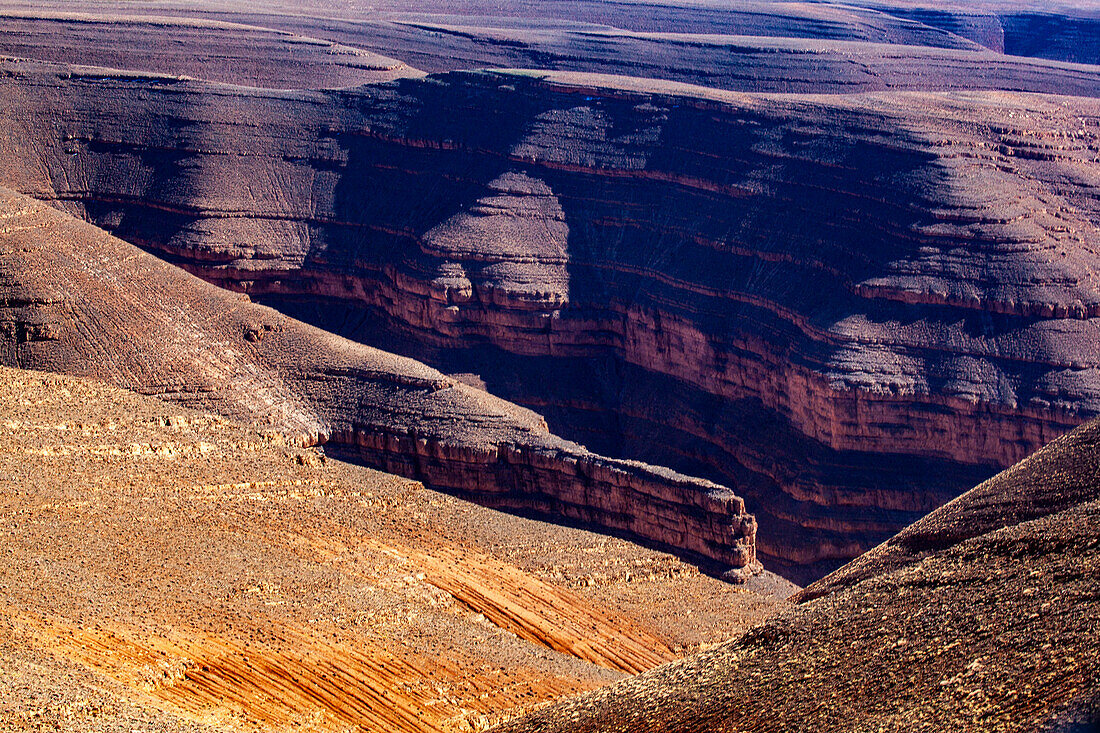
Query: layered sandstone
{"x": 233, "y": 53}
{"x": 981, "y": 616}
{"x": 169, "y": 570}
{"x": 596, "y": 35}
{"x": 848, "y": 308}
{"x": 371, "y": 24}
{"x": 76, "y": 300}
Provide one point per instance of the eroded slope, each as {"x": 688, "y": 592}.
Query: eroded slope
{"x": 985, "y": 616}
{"x": 849, "y": 307}
{"x": 76, "y": 300}
{"x": 358, "y": 52}
{"x": 233, "y": 53}
{"x": 168, "y": 569}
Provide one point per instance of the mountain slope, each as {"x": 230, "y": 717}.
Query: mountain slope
{"x": 985, "y": 615}
{"x": 167, "y": 569}
{"x": 848, "y": 308}
{"x": 76, "y": 300}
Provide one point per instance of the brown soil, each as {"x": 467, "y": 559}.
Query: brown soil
{"x": 983, "y": 616}
{"x": 166, "y": 569}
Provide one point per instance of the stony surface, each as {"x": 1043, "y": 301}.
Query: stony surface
{"x": 850, "y": 57}
{"x": 169, "y": 570}
{"x": 984, "y": 615}
{"x": 76, "y": 300}
{"x": 233, "y": 53}
{"x": 847, "y": 302}
{"x": 444, "y": 35}
{"x": 848, "y": 308}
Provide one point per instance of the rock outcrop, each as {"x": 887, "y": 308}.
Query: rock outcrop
{"x": 981, "y": 616}
{"x": 76, "y": 300}
{"x": 441, "y": 35}
{"x": 170, "y": 570}
{"x": 233, "y": 53}
{"x": 848, "y": 308}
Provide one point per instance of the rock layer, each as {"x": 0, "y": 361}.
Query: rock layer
{"x": 981, "y": 616}
{"x": 856, "y": 305}
{"x": 233, "y": 53}
{"x": 75, "y": 300}
{"x": 170, "y": 570}
{"x": 850, "y": 57}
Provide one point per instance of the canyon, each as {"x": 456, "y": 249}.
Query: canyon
{"x": 980, "y": 616}
{"x": 845, "y": 308}
{"x": 166, "y": 569}
{"x": 439, "y": 366}
{"x": 73, "y": 299}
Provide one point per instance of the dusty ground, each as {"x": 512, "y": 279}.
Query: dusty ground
{"x": 168, "y": 570}
{"x": 983, "y": 616}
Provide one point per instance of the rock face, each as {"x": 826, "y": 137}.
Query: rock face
{"x": 74, "y": 299}
{"x": 847, "y": 308}
{"x": 170, "y": 570}
{"x": 981, "y": 616}
{"x": 233, "y": 53}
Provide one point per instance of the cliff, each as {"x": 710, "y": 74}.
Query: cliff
{"x": 847, "y": 308}
{"x": 76, "y": 300}
{"x": 981, "y": 616}
{"x": 170, "y": 570}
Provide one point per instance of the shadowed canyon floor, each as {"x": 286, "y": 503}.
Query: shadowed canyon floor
{"x": 168, "y": 569}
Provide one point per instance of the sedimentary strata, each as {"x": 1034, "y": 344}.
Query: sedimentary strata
{"x": 74, "y": 299}
{"x": 848, "y": 308}
{"x": 233, "y": 53}
{"x": 793, "y": 59}
{"x": 170, "y": 570}
{"x": 981, "y": 616}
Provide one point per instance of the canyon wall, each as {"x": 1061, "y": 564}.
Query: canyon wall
{"x": 980, "y": 616}
{"x": 75, "y": 300}
{"x": 846, "y": 308}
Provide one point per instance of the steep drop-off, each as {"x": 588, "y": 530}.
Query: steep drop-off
{"x": 163, "y": 570}
{"x": 74, "y": 299}
{"x": 983, "y": 616}
{"x": 848, "y": 308}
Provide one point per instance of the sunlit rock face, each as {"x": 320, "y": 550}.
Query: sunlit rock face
{"x": 847, "y": 309}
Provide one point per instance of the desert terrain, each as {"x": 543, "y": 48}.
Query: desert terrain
{"x": 167, "y": 569}
{"x": 435, "y": 365}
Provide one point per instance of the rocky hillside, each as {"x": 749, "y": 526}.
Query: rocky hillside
{"x": 848, "y": 308}
{"x": 985, "y": 615}
{"x": 76, "y": 300}
{"x": 234, "y": 53}
{"x": 793, "y": 51}
{"x": 657, "y": 269}
{"x": 169, "y": 570}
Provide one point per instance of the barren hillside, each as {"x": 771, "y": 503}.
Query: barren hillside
{"x": 168, "y": 569}
{"x": 983, "y": 616}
